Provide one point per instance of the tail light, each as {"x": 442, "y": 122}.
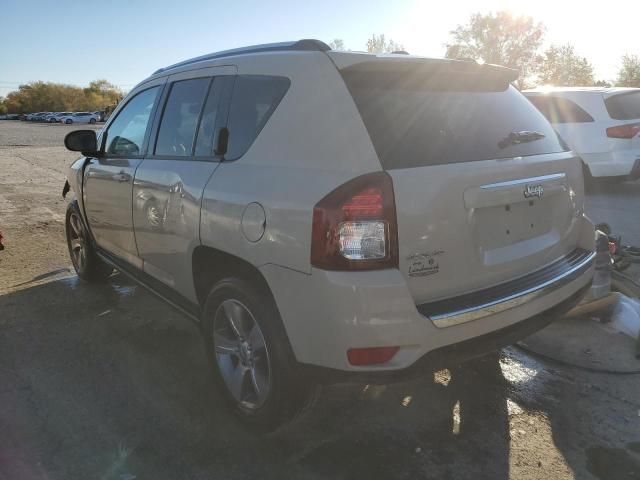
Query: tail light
{"x": 629, "y": 130}
{"x": 355, "y": 227}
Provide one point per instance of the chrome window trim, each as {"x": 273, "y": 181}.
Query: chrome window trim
{"x": 522, "y": 181}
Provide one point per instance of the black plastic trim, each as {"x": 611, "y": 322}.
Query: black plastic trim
{"x": 507, "y": 289}
{"x": 159, "y": 289}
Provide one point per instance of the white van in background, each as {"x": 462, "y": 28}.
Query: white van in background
{"x": 602, "y": 125}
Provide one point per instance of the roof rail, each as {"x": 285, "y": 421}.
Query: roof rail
{"x": 300, "y": 45}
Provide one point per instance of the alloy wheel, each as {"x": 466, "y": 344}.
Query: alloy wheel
{"x": 77, "y": 242}
{"x": 241, "y": 354}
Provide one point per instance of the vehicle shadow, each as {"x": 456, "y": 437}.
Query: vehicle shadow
{"x": 106, "y": 381}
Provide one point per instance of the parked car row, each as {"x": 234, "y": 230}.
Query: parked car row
{"x": 64, "y": 117}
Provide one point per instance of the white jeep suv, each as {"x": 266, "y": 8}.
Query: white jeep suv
{"x": 333, "y": 216}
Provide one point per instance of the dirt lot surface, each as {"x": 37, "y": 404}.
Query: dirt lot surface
{"x": 109, "y": 383}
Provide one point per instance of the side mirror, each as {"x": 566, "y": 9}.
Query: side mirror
{"x": 222, "y": 142}
{"x": 82, "y": 141}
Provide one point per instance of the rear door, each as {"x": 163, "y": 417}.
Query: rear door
{"x": 167, "y": 191}
{"x": 477, "y": 203}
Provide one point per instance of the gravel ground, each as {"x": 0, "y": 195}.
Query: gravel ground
{"x": 108, "y": 382}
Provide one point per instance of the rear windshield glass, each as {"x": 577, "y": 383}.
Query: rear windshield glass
{"x": 624, "y": 106}
{"x": 415, "y": 121}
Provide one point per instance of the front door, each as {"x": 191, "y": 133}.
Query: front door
{"x": 108, "y": 180}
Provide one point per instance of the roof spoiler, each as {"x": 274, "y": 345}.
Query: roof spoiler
{"x": 433, "y": 66}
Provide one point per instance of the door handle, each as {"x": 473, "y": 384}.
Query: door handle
{"x": 121, "y": 177}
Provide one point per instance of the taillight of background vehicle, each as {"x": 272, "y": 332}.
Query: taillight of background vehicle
{"x": 355, "y": 227}
{"x": 629, "y": 130}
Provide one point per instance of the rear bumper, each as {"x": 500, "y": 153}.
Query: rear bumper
{"x": 620, "y": 163}
{"x": 635, "y": 170}
{"x": 326, "y": 313}
{"x": 489, "y": 301}
{"x": 450, "y": 355}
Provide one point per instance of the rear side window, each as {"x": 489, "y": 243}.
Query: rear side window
{"x": 560, "y": 110}
{"x": 255, "y": 98}
{"x": 624, "y": 106}
{"x": 180, "y": 117}
{"x": 416, "y": 120}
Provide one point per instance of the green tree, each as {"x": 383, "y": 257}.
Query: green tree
{"x": 379, "y": 44}
{"x": 57, "y": 97}
{"x": 629, "y": 73}
{"x": 499, "y": 38}
{"x": 562, "y": 66}
{"x": 337, "y": 44}
{"x": 3, "y": 107}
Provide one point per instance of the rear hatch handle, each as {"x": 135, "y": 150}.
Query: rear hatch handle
{"x": 524, "y": 136}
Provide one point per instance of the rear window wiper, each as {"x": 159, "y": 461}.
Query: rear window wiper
{"x": 515, "y": 138}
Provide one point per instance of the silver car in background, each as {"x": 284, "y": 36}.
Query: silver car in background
{"x": 79, "y": 117}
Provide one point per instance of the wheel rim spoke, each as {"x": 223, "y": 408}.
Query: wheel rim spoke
{"x": 235, "y": 314}
{"x": 237, "y": 380}
{"x": 76, "y": 242}
{"x": 255, "y": 338}
{"x": 74, "y": 221}
{"x": 224, "y": 345}
{"x": 260, "y": 383}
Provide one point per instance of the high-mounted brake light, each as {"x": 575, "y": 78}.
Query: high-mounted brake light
{"x": 355, "y": 227}
{"x": 628, "y": 130}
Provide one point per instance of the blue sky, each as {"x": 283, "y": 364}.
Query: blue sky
{"x": 76, "y": 41}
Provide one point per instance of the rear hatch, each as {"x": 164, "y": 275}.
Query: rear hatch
{"x": 485, "y": 190}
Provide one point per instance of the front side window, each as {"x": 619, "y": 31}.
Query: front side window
{"x": 255, "y": 98}
{"x": 180, "y": 118}
{"x": 126, "y": 134}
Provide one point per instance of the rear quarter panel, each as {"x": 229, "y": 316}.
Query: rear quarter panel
{"x": 314, "y": 141}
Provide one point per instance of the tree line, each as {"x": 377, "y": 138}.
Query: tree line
{"x": 57, "y": 97}
{"x": 516, "y": 42}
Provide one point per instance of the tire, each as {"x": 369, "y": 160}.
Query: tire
{"x": 86, "y": 262}
{"x": 92, "y": 121}
{"x": 254, "y": 369}
{"x": 68, "y": 121}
